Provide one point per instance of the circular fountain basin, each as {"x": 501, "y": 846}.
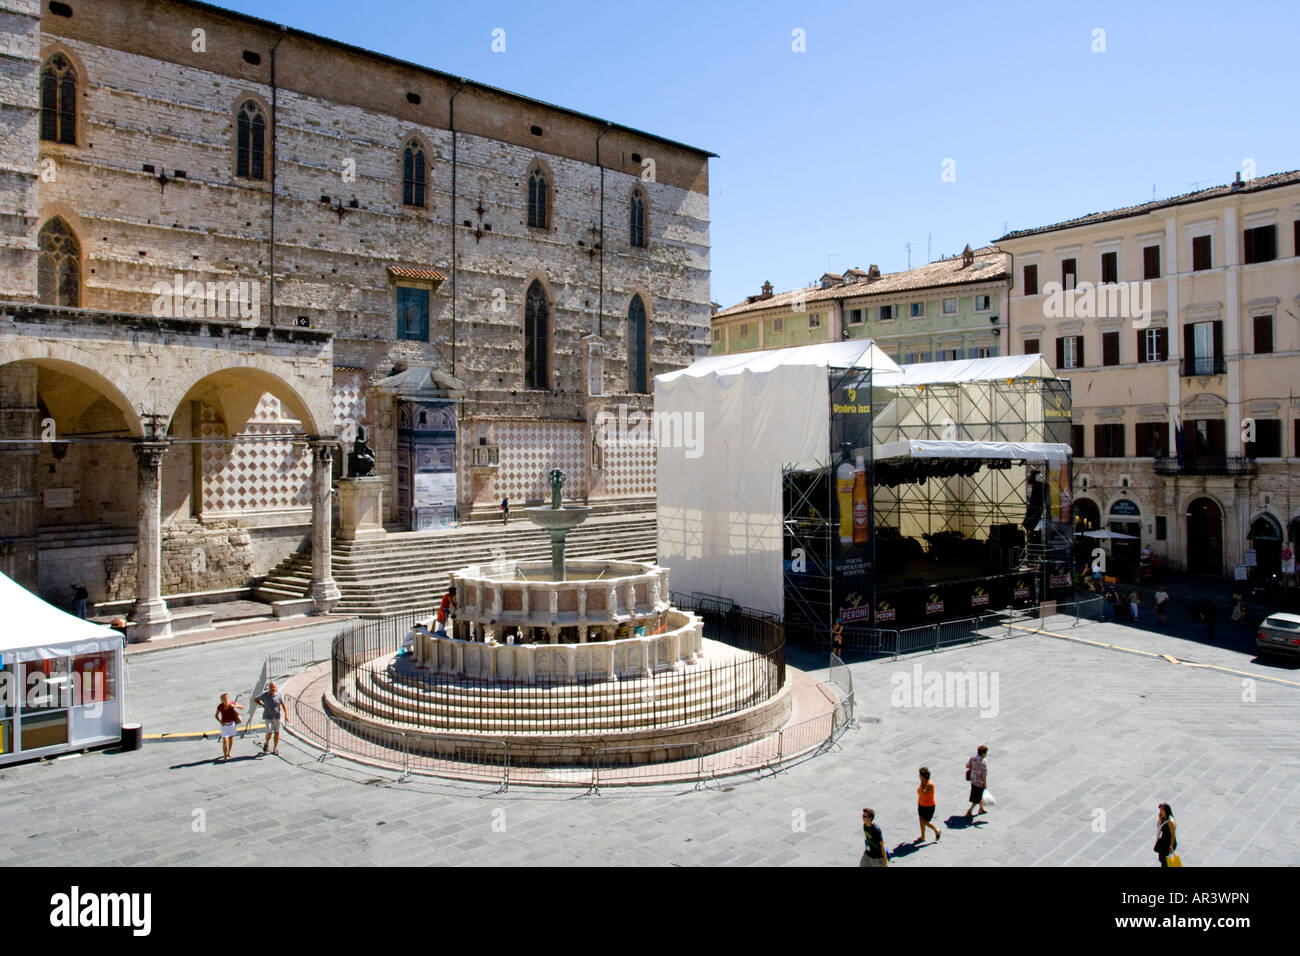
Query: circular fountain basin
{"x": 557, "y": 519}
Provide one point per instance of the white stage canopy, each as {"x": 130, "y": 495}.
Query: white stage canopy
{"x": 34, "y": 630}
{"x": 1053, "y": 452}
{"x": 967, "y": 370}
{"x": 720, "y": 512}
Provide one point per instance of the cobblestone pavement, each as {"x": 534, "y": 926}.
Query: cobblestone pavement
{"x": 1084, "y": 741}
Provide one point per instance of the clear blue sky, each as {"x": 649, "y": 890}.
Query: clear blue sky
{"x": 834, "y": 156}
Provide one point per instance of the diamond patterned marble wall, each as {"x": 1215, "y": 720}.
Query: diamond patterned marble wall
{"x": 529, "y": 450}
{"x": 629, "y": 468}
{"x": 349, "y": 399}
{"x": 259, "y": 475}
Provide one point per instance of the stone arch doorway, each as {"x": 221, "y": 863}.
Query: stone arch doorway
{"x": 239, "y": 448}
{"x": 1204, "y": 537}
{"x": 71, "y": 493}
{"x": 1266, "y": 539}
{"x": 1125, "y": 517}
{"x": 1087, "y": 517}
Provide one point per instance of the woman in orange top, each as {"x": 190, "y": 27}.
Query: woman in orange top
{"x": 925, "y": 805}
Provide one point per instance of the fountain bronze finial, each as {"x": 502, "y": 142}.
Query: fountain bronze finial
{"x": 557, "y": 482}
{"x": 557, "y": 519}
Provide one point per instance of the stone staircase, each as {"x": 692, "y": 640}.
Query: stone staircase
{"x": 393, "y": 694}
{"x": 408, "y": 571}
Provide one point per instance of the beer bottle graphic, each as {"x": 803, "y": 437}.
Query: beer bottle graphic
{"x": 844, "y": 477}
{"x": 861, "y": 513}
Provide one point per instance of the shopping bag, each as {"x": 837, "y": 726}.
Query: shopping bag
{"x": 1173, "y": 859}
{"x": 988, "y": 799}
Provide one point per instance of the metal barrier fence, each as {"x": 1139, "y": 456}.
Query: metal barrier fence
{"x": 841, "y": 678}
{"x": 295, "y": 657}
{"x": 893, "y": 643}
{"x": 704, "y": 691}
{"x": 595, "y": 765}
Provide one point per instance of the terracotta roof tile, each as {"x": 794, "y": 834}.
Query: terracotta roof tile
{"x": 1247, "y": 186}
{"x": 409, "y": 272}
{"x": 991, "y": 264}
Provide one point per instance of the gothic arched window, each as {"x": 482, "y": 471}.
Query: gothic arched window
{"x": 59, "y": 100}
{"x": 636, "y": 347}
{"x": 636, "y": 217}
{"x": 537, "y": 338}
{"x": 414, "y": 175}
{"x": 250, "y": 146}
{"x": 539, "y": 207}
{"x": 58, "y": 265}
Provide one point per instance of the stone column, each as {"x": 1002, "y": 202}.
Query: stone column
{"x": 152, "y": 619}
{"x": 324, "y": 592}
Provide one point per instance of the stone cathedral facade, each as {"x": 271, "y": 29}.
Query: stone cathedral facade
{"x": 239, "y": 243}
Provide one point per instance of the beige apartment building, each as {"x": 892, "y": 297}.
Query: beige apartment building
{"x": 942, "y": 311}
{"x": 1177, "y": 323}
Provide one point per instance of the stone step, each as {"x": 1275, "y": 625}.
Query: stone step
{"x": 419, "y": 565}
{"x": 407, "y": 571}
{"x": 596, "y": 707}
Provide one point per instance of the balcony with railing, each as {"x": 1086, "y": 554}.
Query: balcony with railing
{"x": 1231, "y": 466}
{"x": 1204, "y": 365}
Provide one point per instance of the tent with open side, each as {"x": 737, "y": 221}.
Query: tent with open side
{"x": 720, "y": 500}
{"x": 61, "y": 679}
{"x": 770, "y": 425}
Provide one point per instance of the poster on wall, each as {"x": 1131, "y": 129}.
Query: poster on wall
{"x": 853, "y": 539}
{"x": 435, "y": 488}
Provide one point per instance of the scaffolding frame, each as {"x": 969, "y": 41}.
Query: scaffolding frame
{"x": 970, "y": 496}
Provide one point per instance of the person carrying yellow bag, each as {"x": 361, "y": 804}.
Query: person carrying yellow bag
{"x": 1167, "y": 837}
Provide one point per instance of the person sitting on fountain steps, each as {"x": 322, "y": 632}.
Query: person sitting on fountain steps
{"x": 447, "y": 607}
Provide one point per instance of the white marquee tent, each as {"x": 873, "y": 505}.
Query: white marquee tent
{"x": 759, "y": 413}
{"x": 720, "y": 512}
{"x": 60, "y": 678}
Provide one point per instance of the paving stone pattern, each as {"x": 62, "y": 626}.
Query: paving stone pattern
{"x": 1086, "y": 741}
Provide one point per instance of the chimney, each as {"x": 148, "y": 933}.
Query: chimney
{"x": 873, "y": 272}
{"x": 767, "y": 291}
{"x": 1236, "y": 183}
{"x": 967, "y": 257}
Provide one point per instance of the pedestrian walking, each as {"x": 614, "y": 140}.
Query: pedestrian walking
{"x": 1166, "y": 836}
{"x": 505, "y": 510}
{"x": 80, "y": 601}
{"x": 875, "y": 853}
{"x": 446, "y": 609}
{"x": 1134, "y": 604}
{"x": 1205, "y": 611}
{"x": 1238, "y": 609}
{"x": 1162, "y": 604}
{"x": 1111, "y": 604}
{"x": 228, "y": 716}
{"x": 977, "y": 772}
{"x": 272, "y": 702}
{"x": 925, "y": 805}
